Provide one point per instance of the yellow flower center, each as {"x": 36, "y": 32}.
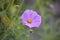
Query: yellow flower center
{"x": 29, "y": 20}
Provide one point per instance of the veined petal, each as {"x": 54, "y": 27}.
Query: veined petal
{"x": 31, "y": 19}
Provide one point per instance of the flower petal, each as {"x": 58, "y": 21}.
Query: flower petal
{"x": 36, "y": 19}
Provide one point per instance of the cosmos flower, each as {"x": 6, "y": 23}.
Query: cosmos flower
{"x": 31, "y": 18}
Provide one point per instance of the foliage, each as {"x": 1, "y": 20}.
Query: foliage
{"x": 11, "y": 27}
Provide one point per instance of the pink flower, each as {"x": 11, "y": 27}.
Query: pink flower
{"x": 31, "y": 18}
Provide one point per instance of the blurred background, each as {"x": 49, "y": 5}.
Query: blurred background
{"x": 11, "y": 27}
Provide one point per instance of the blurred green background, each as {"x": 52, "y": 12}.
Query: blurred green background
{"x": 11, "y": 27}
